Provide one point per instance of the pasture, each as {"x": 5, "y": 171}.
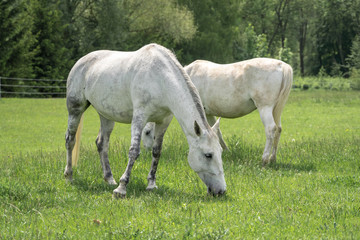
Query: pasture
{"x": 313, "y": 191}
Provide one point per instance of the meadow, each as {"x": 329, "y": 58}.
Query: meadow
{"x": 312, "y": 192}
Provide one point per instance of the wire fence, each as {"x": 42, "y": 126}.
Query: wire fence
{"x": 32, "y": 88}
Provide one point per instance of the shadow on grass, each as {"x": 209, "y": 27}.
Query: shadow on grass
{"x": 301, "y": 167}
{"x": 137, "y": 189}
{"x": 85, "y": 185}
{"x": 176, "y": 195}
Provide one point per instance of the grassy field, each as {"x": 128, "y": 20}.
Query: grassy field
{"x": 312, "y": 192}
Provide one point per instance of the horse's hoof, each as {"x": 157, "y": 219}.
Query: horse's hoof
{"x": 68, "y": 176}
{"x": 273, "y": 159}
{"x": 110, "y": 181}
{"x": 69, "y": 180}
{"x": 119, "y": 192}
{"x": 151, "y": 187}
{"x": 151, "y": 184}
{"x": 265, "y": 163}
{"x": 117, "y": 195}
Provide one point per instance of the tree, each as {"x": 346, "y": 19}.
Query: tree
{"x": 354, "y": 58}
{"x": 130, "y": 24}
{"x": 303, "y": 12}
{"x": 250, "y": 45}
{"x": 215, "y": 21}
{"x": 16, "y": 39}
{"x": 100, "y": 25}
{"x": 52, "y": 57}
{"x": 353, "y": 61}
{"x": 336, "y": 27}
{"x": 282, "y": 14}
{"x": 160, "y": 20}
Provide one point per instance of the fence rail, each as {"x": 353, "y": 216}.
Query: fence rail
{"x": 31, "y": 87}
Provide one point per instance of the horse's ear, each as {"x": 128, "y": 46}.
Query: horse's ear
{"x": 216, "y": 129}
{"x": 216, "y": 126}
{"x": 197, "y": 129}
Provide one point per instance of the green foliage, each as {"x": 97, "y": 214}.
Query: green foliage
{"x": 16, "y": 39}
{"x": 353, "y": 61}
{"x": 312, "y": 191}
{"x": 215, "y": 21}
{"x": 250, "y": 45}
{"x": 354, "y": 57}
{"x": 355, "y": 79}
{"x": 102, "y": 25}
{"x": 324, "y": 82}
{"x": 337, "y": 26}
{"x": 285, "y": 54}
{"x": 52, "y": 58}
{"x": 160, "y": 20}
{"x": 43, "y": 39}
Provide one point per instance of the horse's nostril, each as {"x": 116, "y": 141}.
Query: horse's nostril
{"x": 221, "y": 192}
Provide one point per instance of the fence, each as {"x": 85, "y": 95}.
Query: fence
{"x": 32, "y": 88}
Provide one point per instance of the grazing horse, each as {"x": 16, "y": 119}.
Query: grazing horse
{"x": 137, "y": 87}
{"x": 235, "y": 90}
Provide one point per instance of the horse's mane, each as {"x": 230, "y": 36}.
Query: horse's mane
{"x": 191, "y": 87}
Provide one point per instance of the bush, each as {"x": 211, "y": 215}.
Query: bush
{"x": 355, "y": 79}
{"x": 329, "y": 83}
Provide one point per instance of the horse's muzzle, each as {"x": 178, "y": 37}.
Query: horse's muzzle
{"x": 216, "y": 193}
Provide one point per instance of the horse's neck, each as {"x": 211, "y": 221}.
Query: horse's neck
{"x": 187, "y": 108}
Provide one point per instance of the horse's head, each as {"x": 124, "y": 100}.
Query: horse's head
{"x": 205, "y": 158}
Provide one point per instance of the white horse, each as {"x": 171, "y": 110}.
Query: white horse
{"x": 235, "y": 90}
{"x": 137, "y": 87}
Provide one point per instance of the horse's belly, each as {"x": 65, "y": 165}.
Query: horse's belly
{"x": 114, "y": 112}
{"x": 113, "y": 104}
{"x": 229, "y": 107}
{"x": 117, "y": 116}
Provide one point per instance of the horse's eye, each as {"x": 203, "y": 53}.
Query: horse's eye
{"x": 147, "y": 132}
{"x": 208, "y": 155}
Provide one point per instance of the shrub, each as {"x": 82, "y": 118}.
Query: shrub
{"x": 328, "y": 83}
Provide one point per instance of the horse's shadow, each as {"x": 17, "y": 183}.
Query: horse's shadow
{"x": 137, "y": 189}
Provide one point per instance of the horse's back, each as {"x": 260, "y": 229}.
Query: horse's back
{"x": 234, "y": 90}
{"x": 106, "y": 65}
{"x": 116, "y": 82}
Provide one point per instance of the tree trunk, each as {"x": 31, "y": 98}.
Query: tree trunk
{"x": 302, "y": 40}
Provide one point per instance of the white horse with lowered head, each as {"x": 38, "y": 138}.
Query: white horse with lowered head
{"x": 235, "y": 90}
{"x": 148, "y": 85}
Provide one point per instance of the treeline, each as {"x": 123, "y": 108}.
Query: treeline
{"x": 44, "y": 38}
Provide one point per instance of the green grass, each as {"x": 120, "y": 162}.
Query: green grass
{"x": 312, "y": 192}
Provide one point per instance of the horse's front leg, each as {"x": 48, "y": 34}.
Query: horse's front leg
{"x": 160, "y": 130}
{"x": 137, "y": 125}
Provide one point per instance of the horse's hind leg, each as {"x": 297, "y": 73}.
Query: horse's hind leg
{"x": 276, "y": 140}
{"x": 270, "y": 132}
{"x": 160, "y": 130}
{"x": 102, "y": 143}
{"x": 75, "y": 109}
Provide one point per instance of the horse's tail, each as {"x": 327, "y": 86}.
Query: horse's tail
{"x": 286, "y": 84}
{"x": 76, "y": 150}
